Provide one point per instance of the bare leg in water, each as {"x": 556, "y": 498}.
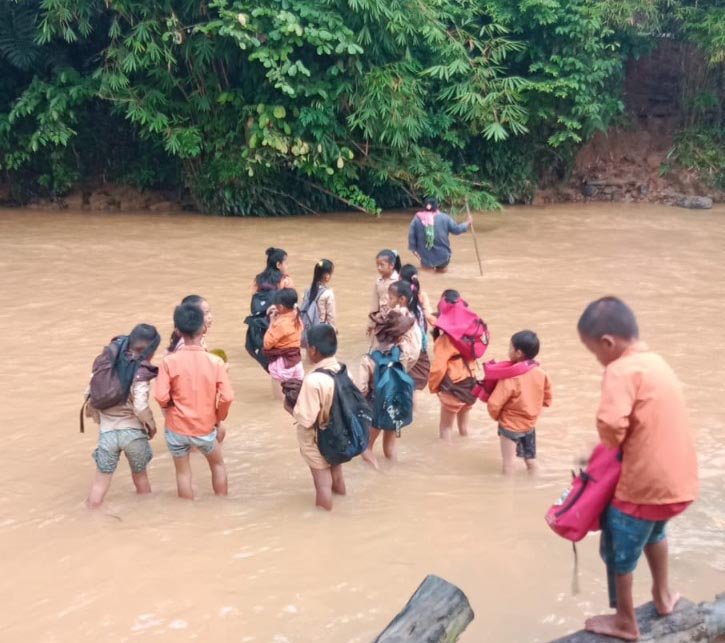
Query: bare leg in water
{"x": 99, "y": 488}
{"x": 368, "y": 455}
{"x": 218, "y": 471}
{"x": 389, "y": 445}
{"x": 462, "y": 419}
{"x": 508, "y": 455}
{"x": 445, "y": 425}
{"x": 338, "y": 481}
{"x": 323, "y": 488}
{"x": 183, "y": 477}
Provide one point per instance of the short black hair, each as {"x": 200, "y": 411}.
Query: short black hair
{"x": 608, "y": 316}
{"x": 431, "y": 204}
{"x": 527, "y": 342}
{"x": 189, "y": 319}
{"x": 324, "y": 338}
{"x": 286, "y": 297}
{"x": 451, "y": 296}
{"x": 143, "y": 335}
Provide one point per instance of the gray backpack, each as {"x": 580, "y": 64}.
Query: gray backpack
{"x": 310, "y": 312}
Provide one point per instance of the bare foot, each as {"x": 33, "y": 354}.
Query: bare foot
{"x": 610, "y": 625}
{"x": 369, "y": 457}
{"x": 665, "y": 602}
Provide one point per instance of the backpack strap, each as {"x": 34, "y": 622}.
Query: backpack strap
{"x": 83, "y": 410}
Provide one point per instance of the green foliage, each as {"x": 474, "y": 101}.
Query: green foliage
{"x": 702, "y": 150}
{"x": 271, "y": 107}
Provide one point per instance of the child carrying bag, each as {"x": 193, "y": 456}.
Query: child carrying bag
{"x": 579, "y": 509}
{"x": 468, "y": 332}
{"x": 257, "y": 325}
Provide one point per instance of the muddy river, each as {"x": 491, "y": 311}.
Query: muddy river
{"x": 264, "y": 565}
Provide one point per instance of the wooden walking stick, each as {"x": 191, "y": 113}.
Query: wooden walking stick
{"x": 475, "y": 239}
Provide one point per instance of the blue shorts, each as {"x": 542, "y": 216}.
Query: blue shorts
{"x": 623, "y": 539}
{"x": 525, "y": 442}
{"x": 134, "y": 443}
{"x": 180, "y": 445}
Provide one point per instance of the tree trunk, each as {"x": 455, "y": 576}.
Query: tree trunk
{"x": 437, "y": 613}
{"x": 689, "y": 623}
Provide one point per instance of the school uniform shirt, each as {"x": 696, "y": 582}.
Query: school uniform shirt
{"x": 132, "y": 414}
{"x": 642, "y": 410}
{"x": 440, "y": 253}
{"x": 194, "y": 386}
{"x": 313, "y": 407}
{"x": 410, "y": 344}
{"x": 326, "y": 308}
{"x": 516, "y": 402}
{"x": 379, "y": 301}
{"x": 447, "y": 360}
{"x": 285, "y": 331}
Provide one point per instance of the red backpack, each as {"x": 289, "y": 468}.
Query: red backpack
{"x": 467, "y": 330}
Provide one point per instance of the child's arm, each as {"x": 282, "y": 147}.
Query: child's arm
{"x": 225, "y": 394}
{"x": 547, "y": 391}
{"x": 330, "y": 315}
{"x": 309, "y": 404}
{"x": 140, "y": 392}
{"x": 364, "y": 379}
{"x": 162, "y": 391}
{"x": 498, "y": 399}
{"x": 615, "y": 408}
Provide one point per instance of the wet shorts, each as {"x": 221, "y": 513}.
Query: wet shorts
{"x": 624, "y": 537}
{"x": 133, "y": 442}
{"x": 525, "y": 442}
{"x": 180, "y": 445}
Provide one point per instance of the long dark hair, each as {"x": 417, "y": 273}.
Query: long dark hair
{"x": 195, "y": 300}
{"x": 270, "y": 277}
{"x": 409, "y": 274}
{"x": 403, "y": 289}
{"x": 287, "y": 297}
{"x": 322, "y": 267}
{"x": 392, "y": 257}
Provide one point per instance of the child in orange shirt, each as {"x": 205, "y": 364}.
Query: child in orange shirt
{"x": 194, "y": 387}
{"x": 452, "y": 378}
{"x": 516, "y": 404}
{"x": 283, "y": 341}
{"x": 642, "y": 411}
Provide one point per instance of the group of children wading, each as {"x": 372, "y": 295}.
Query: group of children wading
{"x": 339, "y": 415}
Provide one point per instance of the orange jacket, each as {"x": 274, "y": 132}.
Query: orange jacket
{"x": 194, "y": 386}
{"x": 516, "y": 402}
{"x": 448, "y": 361}
{"x": 285, "y": 331}
{"x": 643, "y": 410}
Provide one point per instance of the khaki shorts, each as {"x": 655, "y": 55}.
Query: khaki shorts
{"x": 307, "y": 440}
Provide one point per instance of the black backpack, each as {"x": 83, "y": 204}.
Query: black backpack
{"x": 257, "y": 325}
{"x": 113, "y": 373}
{"x": 348, "y": 430}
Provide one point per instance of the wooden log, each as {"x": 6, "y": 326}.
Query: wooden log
{"x": 689, "y": 623}
{"x": 437, "y": 613}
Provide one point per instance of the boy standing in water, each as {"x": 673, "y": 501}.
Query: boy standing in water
{"x": 313, "y": 409}
{"x": 194, "y": 387}
{"x": 129, "y": 426}
{"x": 642, "y": 411}
{"x": 516, "y": 404}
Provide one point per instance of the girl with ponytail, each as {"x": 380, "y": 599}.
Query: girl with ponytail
{"x": 318, "y": 303}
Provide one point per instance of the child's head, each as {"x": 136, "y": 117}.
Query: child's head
{"x": 431, "y": 204}
{"x": 409, "y": 274}
{"x": 524, "y": 346}
{"x": 607, "y": 328}
{"x": 321, "y": 342}
{"x": 189, "y": 320}
{"x": 141, "y": 337}
{"x": 285, "y": 299}
{"x": 400, "y": 294}
{"x": 277, "y": 260}
{"x": 198, "y": 300}
{"x": 388, "y": 262}
{"x": 323, "y": 272}
{"x": 449, "y": 296}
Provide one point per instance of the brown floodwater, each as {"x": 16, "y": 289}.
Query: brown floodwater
{"x": 264, "y": 565}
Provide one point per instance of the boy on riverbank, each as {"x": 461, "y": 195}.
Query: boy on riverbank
{"x": 194, "y": 387}
{"x": 313, "y": 409}
{"x": 516, "y": 403}
{"x": 642, "y": 411}
{"x": 127, "y": 427}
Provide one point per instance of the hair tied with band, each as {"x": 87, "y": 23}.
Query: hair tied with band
{"x": 321, "y": 263}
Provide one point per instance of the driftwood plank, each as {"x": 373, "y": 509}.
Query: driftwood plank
{"x": 437, "y": 613}
{"x": 689, "y": 623}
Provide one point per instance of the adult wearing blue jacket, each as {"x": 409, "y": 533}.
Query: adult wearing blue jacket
{"x": 428, "y": 236}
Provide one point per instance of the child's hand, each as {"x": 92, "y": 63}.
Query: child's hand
{"x": 221, "y": 432}
{"x": 151, "y": 430}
